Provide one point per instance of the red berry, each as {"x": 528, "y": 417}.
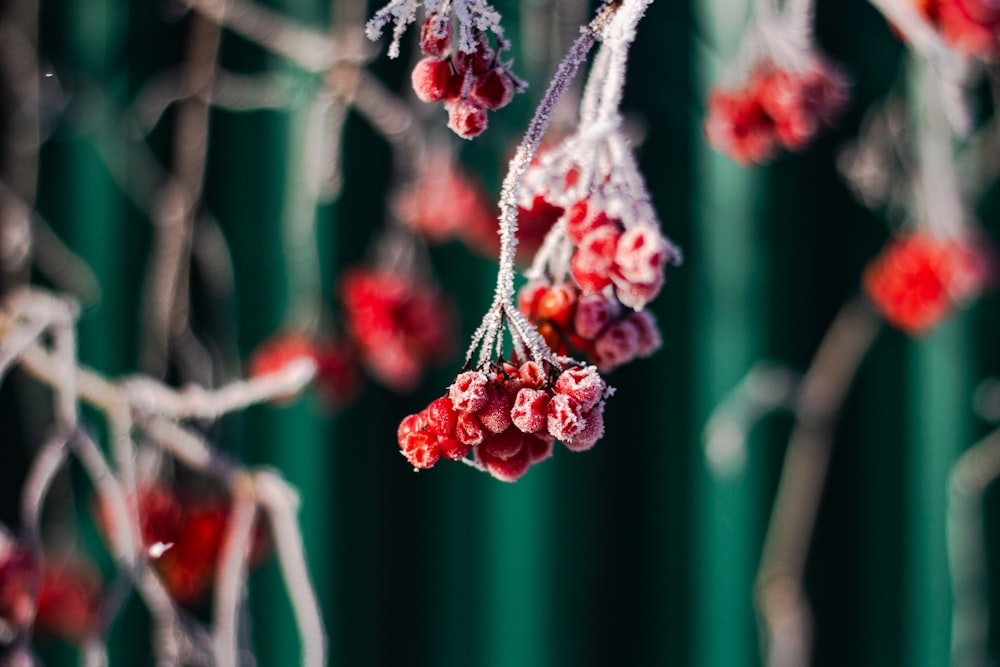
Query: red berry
{"x": 506, "y": 470}
{"x": 468, "y": 391}
{"x": 582, "y": 219}
{"x": 421, "y": 449}
{"x": 594, "y": 258}
{"x": 618, "y": 345}
{"x": 468, "y": 430}
{"x": 592, "y": 315}
{"x": 495, "y": 415}
{"x": 530, "y": 295}
{"x": 431, "y": 78}
{"x": 557, "y": 304}
{"x": 435, "y": 36}
{"x": 452, "y": 448}
{"x": 530, "y": 411}
{"x": 503, "y": 445}
{"x": 583, "y": 384}
{"x": 441, "y": 417}
{"x": 538, "y": 448}
{"x": 493, "y": 89}
{"x": 649, "y": 340}
{"x": 532, "y": 375}
{"x": 591, "y": 432}
{"x": 564, "y": 418}
{"x": 467, "y": 118}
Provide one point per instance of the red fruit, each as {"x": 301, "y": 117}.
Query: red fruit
{"x": 411, "y": 424}
{"x": 495, "y": 414}
{"x": 738, "y": 126}
{"x": 421, "y": 449}
{"x": 481, "y": 59}
{"x": 435, "y": 36}
{"x": 553, "y": 338}
{"x": 506, "y": 470}
{"x": 503, "y": 445}
{"x": 592, "y": 431}
{"x": 468, "y": 430}
{"x": 618, "y": 344}
{"x": 538, "y": 448}
{"x": 533, "y": 223}
{"x": 557, "y": 304}
{"x": 468, "y": 391}
{"x": 493, "y": 89}
{"x": 532, "y": 375}
{"x": 564, "y": 418}
{"x": 582, "y": 219}
{"x": 17, "y": 573}
{"x": 592, "y": 315}
{"x": 467, "y": 118}
{"x": 530, "y": 411}
{"x": 453, "y": 449}
{"x": 69, "y": 600}
{"x": 583, "y": 384}
{"x": 649, "y": 339}
{"x": 441, "y": 417}
{"x": 530, "y": 295}
{"x": 594, "y": 259}
{"x": 431, "y": 78}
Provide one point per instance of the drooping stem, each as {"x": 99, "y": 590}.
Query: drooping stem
{"x": 780, "y": 599}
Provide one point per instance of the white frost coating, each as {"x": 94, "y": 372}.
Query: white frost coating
{"x": 475, "y": 17}
{"x": 489, "y": 335}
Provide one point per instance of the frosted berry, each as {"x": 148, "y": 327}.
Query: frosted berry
{"x": 582, "y": 384}
{"x": 618, "y": 345}
{"x": 441, "y": 416}
{"x": 532, "y": 375}
{"x": 539, "y": 448}
{"x": 435, "y": 36}
{"x": 530, "y": 411}
{"x": 647, "y": 332}
{"x": 506, "y": 470}
{"x": 503, "y": 445}
{"x": 584, "y": 218}
{"x": 421, "y": 449}
{"x": 468, "y": 430}
{"x": 565, "y": 419}
{"x": 592, "y": 315}
{"x": 493, "y": 89}
{"x": 594, "y": 258}
{"x": 557, "y": 304}
{"x": 431, "y": 78}
{"x": 467, "y": 118}
{"x": 495, "y": 414}
{"x": 468, "y": 391}
{"x": 592, "y": 431}
{"x": 452, "y": 448}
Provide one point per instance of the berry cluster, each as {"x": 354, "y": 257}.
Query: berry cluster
{"x": 508, "y": 416}
{"x": 68, "y": 595}
{"x": 397, "y": 325}
{"x": 919, "y": 279}
{"x": 594, "y": 325}
{"x": 468, "y": 82}
{"x": 774, "y": 109}
{"x": 443, "y": 203}
{"x": 971, "y": 26}
{"x": 608, "y": 254}
{"x": 189, "y": 529}
{"x": 335, "y": 372}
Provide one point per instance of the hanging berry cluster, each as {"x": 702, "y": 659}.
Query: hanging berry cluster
{"x": 469, "y": 83}
{"x": 187, "y": 531}
{"x": 594, "y": 325}
{"x": 919, "y": 279}
{"x": 398, "y": 325}
{"x": 509, "y": 417}
{"x": 775, "y": 108}
{"x": 336, "y": 375}
{"x": 56, "y": 596}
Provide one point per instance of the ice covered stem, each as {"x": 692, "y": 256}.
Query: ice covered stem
{"x": 503, "y": 301}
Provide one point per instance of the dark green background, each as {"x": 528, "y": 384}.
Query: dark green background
{"x": 631, "y": 554}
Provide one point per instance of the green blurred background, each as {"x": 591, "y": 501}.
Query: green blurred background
{"x": 630, "y": 554}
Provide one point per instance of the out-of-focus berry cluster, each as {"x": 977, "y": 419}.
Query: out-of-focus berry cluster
{"x": 508, "y": 416}
{"x": 971, "y": 26}
{"x": 774, "y": 109}
{"x": 593, "y": 325}
{"x": 184, "y": 533}
{"x": 919, "y": 279}
{"x": 59, "y": 596}
{"x": 336, "y": 374}
{"x": 469, "y": 83}
{"x": 398, "y": 325}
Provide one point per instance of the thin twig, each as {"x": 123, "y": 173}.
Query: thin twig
{"x": 780, "y": 599}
